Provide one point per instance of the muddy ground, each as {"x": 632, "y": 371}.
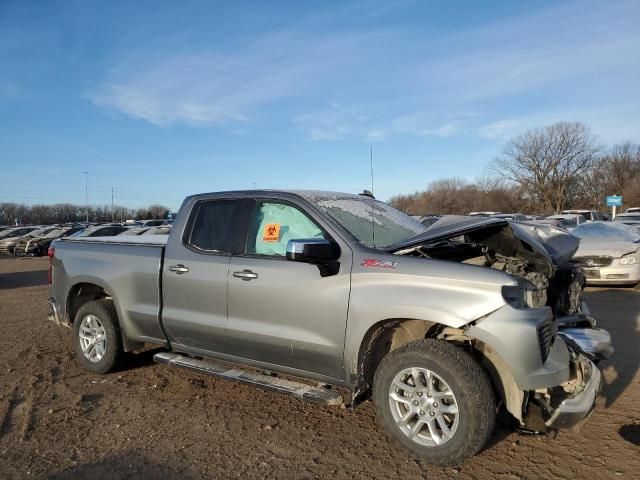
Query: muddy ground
{"x": 149, "y": 421}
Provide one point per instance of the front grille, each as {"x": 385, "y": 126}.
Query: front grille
{"x": 545, "y": 336}
{"x": 594, "y": 261}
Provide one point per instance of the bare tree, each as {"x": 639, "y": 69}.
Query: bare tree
{"x": 459, "y": 197}
{"x": 545, "y": 161}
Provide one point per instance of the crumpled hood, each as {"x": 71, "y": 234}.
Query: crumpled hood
{"x": 544, "y": 246}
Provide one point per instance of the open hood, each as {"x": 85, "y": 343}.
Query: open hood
{"x": 543, "y": 247}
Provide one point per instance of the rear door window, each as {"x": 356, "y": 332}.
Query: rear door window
{"x": 273, "y": 224}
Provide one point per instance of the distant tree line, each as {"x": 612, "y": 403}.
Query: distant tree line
{"x": 543, "y": 170}
{"x": 67, "y": 213}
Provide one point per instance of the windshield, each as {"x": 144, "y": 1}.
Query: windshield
{"x": 607, "y": 232}
{"x": 133, "y": 231}
{"x": 41, "y": 232}
{"x": 566, "y": 221}
{"x": 55, "y": 233}
{"x": 373, "y": 223}
{"x": 6, "y": 233}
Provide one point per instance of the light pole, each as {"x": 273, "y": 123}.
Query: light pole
{"x": 86, "y": 193}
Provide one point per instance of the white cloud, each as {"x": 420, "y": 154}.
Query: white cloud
{"x": 336, "y": 122}
{"x": 511, "y": 73}
{"x": 214, "y": 88}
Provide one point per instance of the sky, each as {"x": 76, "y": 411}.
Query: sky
{"x": 159, "y": 100}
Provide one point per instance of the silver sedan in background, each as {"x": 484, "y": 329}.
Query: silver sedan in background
{"x": 609, "y": 253}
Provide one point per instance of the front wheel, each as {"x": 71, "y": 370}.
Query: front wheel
{"x": 435, "y": 401}
{"x": 96, "y": 336}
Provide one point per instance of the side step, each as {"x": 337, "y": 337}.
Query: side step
{"x": 300, "y": 390}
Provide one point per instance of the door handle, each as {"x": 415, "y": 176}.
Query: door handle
{"x": 179, "y": 269}
{"x": 245, "y": 275}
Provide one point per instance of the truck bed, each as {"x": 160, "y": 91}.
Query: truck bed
{"x": 127, "y": 268}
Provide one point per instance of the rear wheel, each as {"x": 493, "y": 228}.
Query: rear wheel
{"x": 435, "y": 401}
{"x": 96, "y": 336}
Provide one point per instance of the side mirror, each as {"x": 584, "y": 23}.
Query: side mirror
{"x": 312, "y": 250}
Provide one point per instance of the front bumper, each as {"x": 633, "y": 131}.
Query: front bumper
{"x": 7, "y": 247}
{"x": 613, "y": 274}
{"x": 576, "y": 408}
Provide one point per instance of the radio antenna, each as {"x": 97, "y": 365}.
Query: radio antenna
{"x": 373, "y": 223}
{"x": 371, "y": 165}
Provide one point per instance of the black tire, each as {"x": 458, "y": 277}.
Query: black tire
{"x": 465, "y": 378}
{"x": 105, "y": 312}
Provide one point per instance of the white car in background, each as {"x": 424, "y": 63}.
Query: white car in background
{"x": 483, "y": 214}
{"x": 631, "y": 219}
{"x": 609, "y": 253}
{"x": 569, "y": 220}
{"x": 590, "y": 215}
{"x": 514, "y": 217}
{"x": 633, "y": 210}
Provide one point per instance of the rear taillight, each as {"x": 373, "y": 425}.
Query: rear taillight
{"x": 50, "y": 253}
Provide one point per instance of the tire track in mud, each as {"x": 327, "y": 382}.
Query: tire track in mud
{"x": 18, "y": 414}
{"x": 17, "y": 417}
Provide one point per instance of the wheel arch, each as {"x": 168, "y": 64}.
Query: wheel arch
{"x": 381, "y": 338}
{"x": 86, "y": 291}
{"x": 388, "y": 335}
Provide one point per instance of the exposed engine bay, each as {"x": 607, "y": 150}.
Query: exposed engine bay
{"x": 543, "y": 278}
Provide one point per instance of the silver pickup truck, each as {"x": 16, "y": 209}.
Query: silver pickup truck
{"x": 441, "y": 326}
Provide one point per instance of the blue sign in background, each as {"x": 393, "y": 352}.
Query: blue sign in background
{"x": 614, "y": 201}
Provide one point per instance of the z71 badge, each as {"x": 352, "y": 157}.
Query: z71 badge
{"x": 374, "y": 263}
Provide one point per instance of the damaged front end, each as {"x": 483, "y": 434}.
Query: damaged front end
{"x": 568, "y": 405}
{"x": 557, "y": 389}
{"x": 538, "y": 256}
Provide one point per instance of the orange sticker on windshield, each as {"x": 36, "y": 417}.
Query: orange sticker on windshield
{"x": 271, "y": 232}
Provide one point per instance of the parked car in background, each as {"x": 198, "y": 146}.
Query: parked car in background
{"x": 9, "y": 238}
{"x": 546, "y": 221}
{"x": 430, "y": 219}
{"x": 633, "y": 210}
{"x": 134, "y": 231}
{"x": 160, "y": 230}
{"x": 153, "y": 223}
{"x": 568, "y": 220}
{"x": 514, "y": 217}
{"x": 632, "y": 219}
{"x": 589, "y": 215}
{"x": 609, "y": 253}
{"x": 100, "y": 231}
{"x": 482, "y": 214}
{"x": 37, "y": 244}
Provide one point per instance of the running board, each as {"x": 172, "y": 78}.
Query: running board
{"x": 300, "y": 390}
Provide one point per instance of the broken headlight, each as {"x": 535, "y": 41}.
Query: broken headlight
{"x": 523, "y": 295}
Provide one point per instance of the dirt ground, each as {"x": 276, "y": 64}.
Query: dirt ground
{"x": 149, "y": 421}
